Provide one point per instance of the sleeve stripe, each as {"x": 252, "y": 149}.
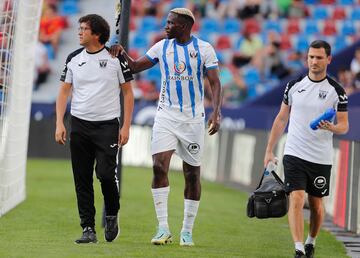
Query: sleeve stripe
{"x": 212, "y": 67}
{"x": 154, "y": 61}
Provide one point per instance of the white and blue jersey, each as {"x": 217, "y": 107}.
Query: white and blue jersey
{"x": 183, "y": 67}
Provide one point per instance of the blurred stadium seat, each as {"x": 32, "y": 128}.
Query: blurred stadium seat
{"x": 209, "y": 25}
{"x": 329, "y": 28}
{"x": 68, "y": 7}
{"x": 231, "y": 25}
{"x": 139, "y": 41}
{"x": 148, "y": 24}
{"x": 223, "y": 42}
{"x": 339, "y": 13}
{"x": 293, "y": 26}
{"x": 311, "y": 27}
{"x": 319, "y": 12}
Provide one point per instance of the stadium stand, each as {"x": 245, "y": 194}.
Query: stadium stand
{"x": 335, "y": 21}
{"x": 292, "y": 27}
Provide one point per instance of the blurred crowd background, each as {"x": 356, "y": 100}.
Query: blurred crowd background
{"x": 258, "y": 43}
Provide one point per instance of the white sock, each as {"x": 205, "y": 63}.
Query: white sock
{"x": 299, "y": 246}
{"x": 310, "y": 240}
{"x": 160, "y": 197}
{"x": 190, "y": 211}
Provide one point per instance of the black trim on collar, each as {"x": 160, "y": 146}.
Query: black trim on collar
{"x": 93, "y": 53}
{"x": 318, "y": 80}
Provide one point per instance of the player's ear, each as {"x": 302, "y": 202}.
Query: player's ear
{"x": 329, "y": 58}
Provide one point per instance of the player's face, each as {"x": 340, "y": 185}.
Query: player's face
{"x": 317, "y": 60}
{"x": 173, "y": 27}
{"x": 85, "y": 35}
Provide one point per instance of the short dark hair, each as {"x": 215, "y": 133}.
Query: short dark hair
{"x": 321, "y": 44}
{"x": 98, "y": 25}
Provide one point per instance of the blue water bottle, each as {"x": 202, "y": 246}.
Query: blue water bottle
{"x": 328, "y": 115}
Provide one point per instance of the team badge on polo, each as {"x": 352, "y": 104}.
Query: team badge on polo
{"x": 322, "y": 94}
{"x": 103, "y": 63}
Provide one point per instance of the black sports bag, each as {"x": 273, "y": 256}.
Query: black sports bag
{"x": 269, "y": 200}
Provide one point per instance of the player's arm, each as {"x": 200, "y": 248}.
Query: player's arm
{"x": 214, "y": 119}
{"x": 341, "y": 127}
{"x": 138, "y": 65}
{"x": 277, "y": 130}
{"x": 124, "y": 132}
{"x": 61, "y": 103}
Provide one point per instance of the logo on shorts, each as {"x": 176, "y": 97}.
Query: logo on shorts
{"x": 193, "y": 148}
{"x": 320, "y": 182}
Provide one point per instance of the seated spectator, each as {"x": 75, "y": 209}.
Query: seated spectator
{"x": 42, "y": 65}
{"x": 149, "y": 92}
{"x": 250, "y": 9}
{"x": 249, "y": 46}
{"x": 357, "y": 82}
{"x": 346, "y": 80}
{"x": 297, "y": 9}
{"x": 216, "y": 9}
{"x": 273, "y": 63}
{"x": 295, "y": 61}
{"x": 355, "y": 63}
{"x": 51, "y": 27}
{"x": 234, "y": 88}
{"x": 283, "y": 6}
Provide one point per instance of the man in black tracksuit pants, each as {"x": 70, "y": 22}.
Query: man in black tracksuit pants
{"x": 94, "y": 79}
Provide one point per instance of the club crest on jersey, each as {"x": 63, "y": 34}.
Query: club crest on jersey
{"x": 322, "y": 94}
{"x": 179, "y": 67}
{"x": 193, "y": 54}
{"x": 103, "y": 63}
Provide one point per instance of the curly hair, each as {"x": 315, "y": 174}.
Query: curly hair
{"x": 98, "y": 25}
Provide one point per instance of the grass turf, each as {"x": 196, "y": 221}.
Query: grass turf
{"x": 47, "y": 223}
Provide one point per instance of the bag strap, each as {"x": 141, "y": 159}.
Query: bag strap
{"x": 277, "y": 178}
{"x": 262, "y": 177}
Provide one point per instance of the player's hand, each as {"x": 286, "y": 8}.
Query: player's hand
{"x": 325, "y": 125}
{"x": 115, "y": 50}
{"x": 60, "y": 134}
{"x": 269, "y": 156}
{"x": 123, "y": 136}
{"x": 214, "y": 123}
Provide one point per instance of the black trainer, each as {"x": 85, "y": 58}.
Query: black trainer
{"x": 111, "y": 228}
{"x": 309, "y": 250}
{"x": 299, "y": 254}
{"x": 88, "y": 236}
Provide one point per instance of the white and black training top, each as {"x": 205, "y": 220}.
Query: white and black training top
{"x": 96, "y": 79}
{"x": 308, "y": 100}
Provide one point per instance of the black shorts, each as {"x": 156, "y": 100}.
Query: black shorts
{"x": 304, "y": 175}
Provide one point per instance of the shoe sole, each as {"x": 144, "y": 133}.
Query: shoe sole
{"x": 186, "y": 244}
{"x": 162, "y": 241}
{"x": 81, "y": 243}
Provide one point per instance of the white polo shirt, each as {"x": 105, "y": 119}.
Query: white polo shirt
{"x": 308, "y": 100}
{"x": 96, "y": 79}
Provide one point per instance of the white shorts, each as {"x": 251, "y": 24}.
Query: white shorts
{"x": 187, "y": 139}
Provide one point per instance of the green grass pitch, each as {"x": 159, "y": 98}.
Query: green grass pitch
{"x": 47, "y": 223}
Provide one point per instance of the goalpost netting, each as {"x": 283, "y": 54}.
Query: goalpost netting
{"x": 19, "y": 26}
